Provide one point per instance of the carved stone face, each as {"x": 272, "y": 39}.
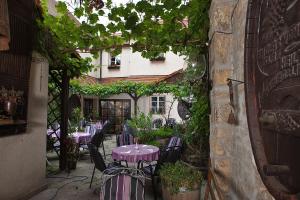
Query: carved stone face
{"x": 273, "y": 92}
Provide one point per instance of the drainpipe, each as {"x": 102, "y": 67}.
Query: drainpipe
{"x": 100, "y": 64}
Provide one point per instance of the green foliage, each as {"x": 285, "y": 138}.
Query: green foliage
{"x": 178, "y": 175}
{"x": 195, "y": 82}
{"x": 134, "y": 89}
{"x": 198, "y": 125}
{"x": 152, "y": 27}
{"x": 142, "y": 124}
{"x": 54, "y": 35}
{"x": 151, "y": 137}
{"x": 75, "y": 118}
{"x": 154, "y": 143}
{"x": 163, "y": 133}
{"x": 76, "y": 115}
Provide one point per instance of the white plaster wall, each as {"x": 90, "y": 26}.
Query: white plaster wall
{"x": 23, "y": 156}
{"x": 133, "y": 64}
{"x": 95, "y": 72}
{"x": 51, "y": 7}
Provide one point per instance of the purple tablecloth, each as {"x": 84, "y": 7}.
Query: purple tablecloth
{"x": 133, "y": 153}
{"x": 81, "y": 137}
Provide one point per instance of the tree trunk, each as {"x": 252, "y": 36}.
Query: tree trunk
{"x": 135, "y": 106}
{"x": 135, "y": 99}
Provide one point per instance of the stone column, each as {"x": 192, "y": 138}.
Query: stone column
{"x": 232, "y": 160}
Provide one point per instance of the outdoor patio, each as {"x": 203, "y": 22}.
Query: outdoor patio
{"x": 191, "y": 100}
{"x": 75, "y": 185}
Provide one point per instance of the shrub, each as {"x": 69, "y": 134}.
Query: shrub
{"x": 162, "y": 133}
{"x": 178, "y": 176}
{"x": 141, "y": 123}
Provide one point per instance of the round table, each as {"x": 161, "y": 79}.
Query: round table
{"x": 81, "y": 137}
{"x": 134, "y": 153}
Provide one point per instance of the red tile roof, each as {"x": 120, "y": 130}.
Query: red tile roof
{"x": 142, "y": 78}
{"x": 85, "y": 79}
{"x": 171, "y": 78}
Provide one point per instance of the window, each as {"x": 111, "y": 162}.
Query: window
{"x": 159, "y": 57}
{"x": 88, "y": 108}
{"x": 158, "y": 105}
{"x": 115, "y": 61}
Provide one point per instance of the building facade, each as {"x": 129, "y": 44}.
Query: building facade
{"x": 129, "y": 66}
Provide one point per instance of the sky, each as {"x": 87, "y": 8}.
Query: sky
{"x": 104, "y": 20}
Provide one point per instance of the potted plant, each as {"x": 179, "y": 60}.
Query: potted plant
{"x": 72, "y": 153}
{"x": 162, "y": 135}
{"x": 180, "y": 182}
{"x": 71, "y": 145}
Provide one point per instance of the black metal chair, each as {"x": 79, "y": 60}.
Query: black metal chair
{"x": 128, "y": 129}
{"x": 99, "y": 137}
{"x": 99, "y": 162}
{"x": 97, "y": 140}
{"x": 124, "y": 139}
{"x": 128, "y": 183}
{"x": 157, "y": 123}
{"x": 170, "y": 154}
{"x": 171, "y": 122}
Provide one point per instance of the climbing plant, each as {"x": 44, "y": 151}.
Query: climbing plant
{"x": 134, "y": 89}
{"x": 147, "y": 26}
{"x": 150, "y": 27}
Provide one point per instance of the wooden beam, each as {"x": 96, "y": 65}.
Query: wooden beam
{"x": 64, "y": 120}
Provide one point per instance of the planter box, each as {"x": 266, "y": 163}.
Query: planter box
{"x": 163, "y": 141}
{"x": 188, "y": 195}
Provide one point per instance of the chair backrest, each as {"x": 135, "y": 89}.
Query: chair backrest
{"x": 123, "y": 186}
{"x": 124, "y": 139}
{"x": 87, "y": 129}
{"x": 171, "y": 122}
{"x": 97, "y": 157}
{"x": 175, "y": 142}
{"x": 98, "y": 138}
{"x": 128, "y": 129}
{"x": 106, "y": 126}
{"x": 171, "y": 153}
{"x": 157, "y": 123}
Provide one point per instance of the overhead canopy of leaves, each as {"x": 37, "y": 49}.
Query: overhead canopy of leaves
{"x": 51, "y": 41}
{"x": 134, "y": 89}
{"x": 152, "y": 27}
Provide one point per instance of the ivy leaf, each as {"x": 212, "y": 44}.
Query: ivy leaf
{"x": 61, "y": 7}
{"x": 78, "y": 12}
{"x": 93, "y": 18}
{"x": 131, "y": 21}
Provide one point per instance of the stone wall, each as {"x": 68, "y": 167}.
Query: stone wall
{"x": 232, "y": 160}
{"x": 23, "y": 156}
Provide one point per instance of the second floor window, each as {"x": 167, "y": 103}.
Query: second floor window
{"x": 158, "y": 105}
{"x": 115, "y": 60}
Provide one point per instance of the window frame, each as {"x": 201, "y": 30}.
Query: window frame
{"x": 114, "y": 64}
{"x": 158, "y": 108}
